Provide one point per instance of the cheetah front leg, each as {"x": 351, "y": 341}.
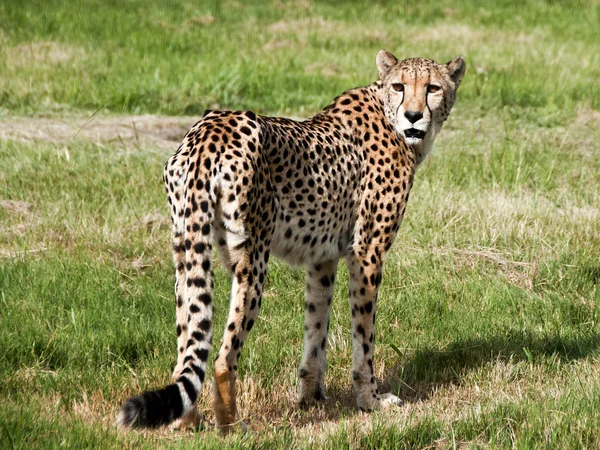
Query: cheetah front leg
{"x": 365, "y": 276}
{"x": 319, "y": 292}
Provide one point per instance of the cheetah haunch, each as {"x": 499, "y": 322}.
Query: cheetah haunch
{"x": 310, "y": 193}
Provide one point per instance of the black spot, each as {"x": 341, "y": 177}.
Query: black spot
{"x": 198, "y": 336}
{"x": 202, "y": 354}
{"x": 199, "y": 282}
{"x": 205, "y": 298}
{"x": 205, "y": 325}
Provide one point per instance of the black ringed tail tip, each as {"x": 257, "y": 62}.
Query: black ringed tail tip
{"x": 151, "y": 409}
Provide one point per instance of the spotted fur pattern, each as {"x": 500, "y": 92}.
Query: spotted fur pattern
{"x": 313, "y": 192}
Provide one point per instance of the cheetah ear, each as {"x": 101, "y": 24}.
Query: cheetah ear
{"x": 456, "y": 69}
{"x": 385, "y": 61}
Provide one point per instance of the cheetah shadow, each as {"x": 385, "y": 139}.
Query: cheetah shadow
{"x": 422, "y": 373}
{"x": 416, "y": 376}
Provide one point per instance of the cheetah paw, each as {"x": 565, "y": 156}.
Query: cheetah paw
{"x": 381, "y": 402}
{"x": 389, "y": 400}
{"x": 311, "y": 400}
{"x": 237, "y": 427}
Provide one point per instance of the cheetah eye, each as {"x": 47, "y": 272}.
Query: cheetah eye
{"x": 432, "y": 88}
{"x": 398, "y": 87}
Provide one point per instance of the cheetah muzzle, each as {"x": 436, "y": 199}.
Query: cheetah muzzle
{"x": 334, "y": 186}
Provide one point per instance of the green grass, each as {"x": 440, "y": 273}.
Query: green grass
{"x": 178, "y": 57}
{"x": 488, "y": 324}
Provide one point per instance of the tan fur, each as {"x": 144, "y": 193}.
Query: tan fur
{"x": 335, "y": 186}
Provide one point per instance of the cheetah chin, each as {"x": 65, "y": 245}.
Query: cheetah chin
{"x": 313, "y": 192}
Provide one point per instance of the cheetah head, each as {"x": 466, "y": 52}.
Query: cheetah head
{"x": 418, "y": 95}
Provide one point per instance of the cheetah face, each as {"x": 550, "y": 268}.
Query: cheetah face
{"x": 418, "y": 95}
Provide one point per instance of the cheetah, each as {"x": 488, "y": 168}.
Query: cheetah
{"x": 334, "y": 186}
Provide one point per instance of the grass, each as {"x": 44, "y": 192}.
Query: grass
{"x": 488, "y": 324}
{"x": 178, "y": 57}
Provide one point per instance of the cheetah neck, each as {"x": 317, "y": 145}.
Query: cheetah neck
{"x": 341, "y": 110}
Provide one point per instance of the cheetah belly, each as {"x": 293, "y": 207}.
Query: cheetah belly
{"x": 300, "y": 240}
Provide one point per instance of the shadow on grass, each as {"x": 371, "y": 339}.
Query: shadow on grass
{"x": 419, "y": 374}
{"x": 422, "y": 372}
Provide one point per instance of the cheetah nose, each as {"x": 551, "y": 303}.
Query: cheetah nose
{"x": 413, "y": 116}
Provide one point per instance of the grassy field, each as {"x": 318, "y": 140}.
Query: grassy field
{"x": 488, "y": 319}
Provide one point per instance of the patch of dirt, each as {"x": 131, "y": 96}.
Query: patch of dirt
{"x": 443, "y": 32}
{"x": 47, "y": 52}
{"x": 277, "y": 44}
{"x": 587, "y": 116}
{"x": 295, "y": 5}
{"x": 302, "y": 25}
{"x": 463, "y": 36}
{"x": 518, "y": 273}
{"x": 324, "y": 69}
{"x": 207, "y": 19}
{"x": 21, "y": 219}
{"x": 16, "y": 207}
{"x": 154, "y": 221}
{"x": 131, "y": 131}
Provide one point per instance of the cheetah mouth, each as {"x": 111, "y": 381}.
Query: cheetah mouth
{"x": 413, "y": 133}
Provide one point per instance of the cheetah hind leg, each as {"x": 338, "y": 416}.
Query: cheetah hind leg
{"x": 246, "y": 293}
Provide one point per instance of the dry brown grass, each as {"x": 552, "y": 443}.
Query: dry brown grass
{"x": 482, "y": 390}
{"x": 16, "y": 207}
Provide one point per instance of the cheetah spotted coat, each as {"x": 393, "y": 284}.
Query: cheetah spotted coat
{"x": 334, "y": 186}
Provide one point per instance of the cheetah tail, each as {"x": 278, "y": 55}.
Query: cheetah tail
{"x": 151, "y": 409}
